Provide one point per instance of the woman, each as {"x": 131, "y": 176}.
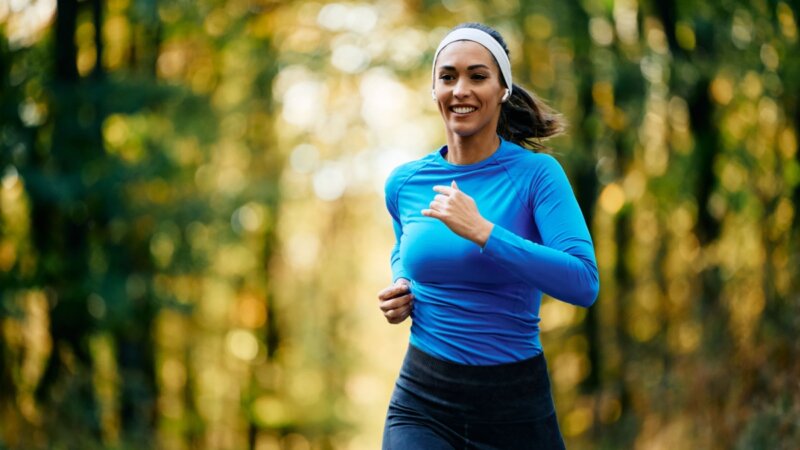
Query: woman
{"x": 483, "y": 228}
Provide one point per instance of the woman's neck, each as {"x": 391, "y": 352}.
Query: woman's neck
{"x": 464, "y": 150}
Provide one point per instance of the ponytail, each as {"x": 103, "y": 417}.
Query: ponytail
{"x": 526, "y": 120}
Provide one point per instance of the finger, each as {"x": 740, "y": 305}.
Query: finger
{"x": 398, "y": 292}
{"x": 397, "y": 315}
{"x": 386, "y": 293}
{"x": 393, "y": 291}
{"x": 432, "y": 213}
{"x": 397, "y": 302}
{"x": 394, "y": 316}
{"x": 406, "y": 303}
{"x": 437, "y": 205}
{"x": 396, "y": 312}
{"x": 403, "y": 316}
{"x": 454, "y": 186}
{"x": 440, "y": 198}
{"x": 447, "y": 190}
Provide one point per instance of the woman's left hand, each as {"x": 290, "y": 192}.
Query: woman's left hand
{"x": 459, "y": 212}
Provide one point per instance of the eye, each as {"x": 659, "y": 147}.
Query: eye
{"x": 479, "y": 76}
{"x": 445, "y": 77}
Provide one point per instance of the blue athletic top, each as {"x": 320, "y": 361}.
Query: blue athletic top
{"x": 480, "y": 306}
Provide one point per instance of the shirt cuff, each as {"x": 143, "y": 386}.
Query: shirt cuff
{"x": 496, "y": 239}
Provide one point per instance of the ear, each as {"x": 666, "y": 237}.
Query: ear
{"x": 506, "y": 96}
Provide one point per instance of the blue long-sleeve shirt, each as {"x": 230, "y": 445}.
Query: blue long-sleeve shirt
{"x": 476, "y": 305}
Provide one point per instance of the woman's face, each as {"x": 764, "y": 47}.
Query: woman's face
{"x": 468, "y": 89}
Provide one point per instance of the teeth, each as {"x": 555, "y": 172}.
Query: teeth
{"x": 463, "y": 109}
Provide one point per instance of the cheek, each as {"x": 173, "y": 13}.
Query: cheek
{"x": 493, "y": 95}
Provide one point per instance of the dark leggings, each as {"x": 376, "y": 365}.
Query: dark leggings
{"x": 438, "y": 404}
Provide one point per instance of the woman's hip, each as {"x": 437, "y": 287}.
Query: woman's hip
{"x": 504, "y": 393}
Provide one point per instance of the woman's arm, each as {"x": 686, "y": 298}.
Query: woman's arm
{"x": 396, "y": 300}
{"x": 564, "y": 265}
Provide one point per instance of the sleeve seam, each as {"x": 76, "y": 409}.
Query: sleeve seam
{"x": 520, "y": 197}
{"x": 403, "y": 181}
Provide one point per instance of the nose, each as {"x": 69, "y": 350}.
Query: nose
{"x": 461, "y": 89}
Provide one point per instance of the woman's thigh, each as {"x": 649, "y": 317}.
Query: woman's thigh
{"x": 408, "y": 429}
{"x": 409, "y": 425}
{"x": 542, "y": 434}
{"x": 413, "y": 436}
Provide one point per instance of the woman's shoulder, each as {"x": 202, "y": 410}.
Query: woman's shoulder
{"x": 526, "y": 163}
{"x": 400, "y": 174}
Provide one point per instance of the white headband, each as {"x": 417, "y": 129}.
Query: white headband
{"x": 486, "y": 40}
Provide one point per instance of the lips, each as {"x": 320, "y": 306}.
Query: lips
{"x": 462, "y": 109}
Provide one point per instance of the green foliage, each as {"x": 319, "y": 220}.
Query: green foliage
{"x": 188, "y": 226}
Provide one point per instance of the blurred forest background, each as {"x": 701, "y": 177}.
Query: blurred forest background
{"x": 192, "y": 228}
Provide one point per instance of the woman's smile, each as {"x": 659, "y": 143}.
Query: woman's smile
{"x": 463, "y": 109}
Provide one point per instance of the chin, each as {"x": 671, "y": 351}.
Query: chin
{"x": 464, "y": 132}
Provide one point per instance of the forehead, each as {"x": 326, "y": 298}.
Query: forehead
{"x": 465, "y": 53}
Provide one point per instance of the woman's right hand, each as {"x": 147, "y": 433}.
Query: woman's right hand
{"x": 396, "y": 301}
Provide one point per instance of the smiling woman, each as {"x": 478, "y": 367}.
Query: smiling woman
{"x": 484, "y": 227}
{"x": 524, "y": 119}
{"x": 470, "y": 94}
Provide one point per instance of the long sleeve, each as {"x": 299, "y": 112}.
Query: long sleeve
{"x": 564, "y": 265}
{"x": 397, "y": 265}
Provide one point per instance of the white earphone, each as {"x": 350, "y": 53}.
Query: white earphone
{"x": 433, "y": 94}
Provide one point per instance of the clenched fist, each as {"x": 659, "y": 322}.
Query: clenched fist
{"x": 396, "y": 301}
{"x": 459, "y": 212}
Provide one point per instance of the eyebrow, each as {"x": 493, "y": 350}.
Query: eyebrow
{"x": 472, "y": 67}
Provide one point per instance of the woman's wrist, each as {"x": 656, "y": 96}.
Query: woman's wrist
{"x": 482, "y": 233}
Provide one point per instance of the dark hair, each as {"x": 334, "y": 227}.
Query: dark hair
{"x": 524, "y": 118}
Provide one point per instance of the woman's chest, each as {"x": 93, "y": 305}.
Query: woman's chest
{"x": 432, "y": 253}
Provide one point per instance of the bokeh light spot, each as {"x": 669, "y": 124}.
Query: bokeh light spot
{"x": 242, "y": 344}
{"x": 330, "y": 181}
{"x": 612, "y": 198}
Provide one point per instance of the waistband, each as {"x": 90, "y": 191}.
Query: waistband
{"x": 523, "y": 371}
{"x": 516, "y": 391}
